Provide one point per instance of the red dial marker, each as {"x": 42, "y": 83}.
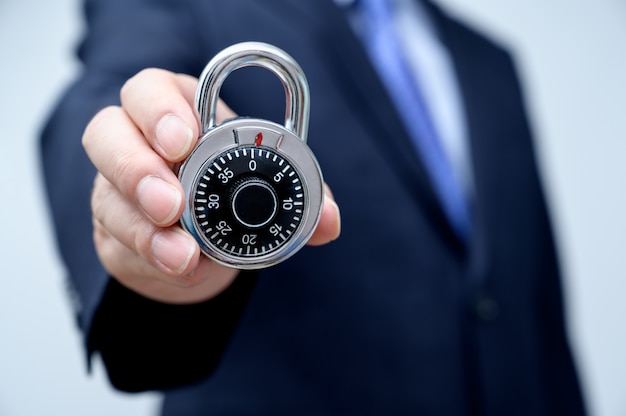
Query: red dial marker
{"x": 258, "y": 139}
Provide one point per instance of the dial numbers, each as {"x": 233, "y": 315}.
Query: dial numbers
{"x": 248, "y": 201}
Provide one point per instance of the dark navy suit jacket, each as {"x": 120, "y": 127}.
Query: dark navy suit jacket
{"x": 397, "y": 316}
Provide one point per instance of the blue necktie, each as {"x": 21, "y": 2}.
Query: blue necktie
{"x": 384, "y": 48}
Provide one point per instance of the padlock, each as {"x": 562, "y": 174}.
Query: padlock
{"x": 254, "y": 188}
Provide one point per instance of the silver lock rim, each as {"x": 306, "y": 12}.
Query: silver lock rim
{"x": 221, "y": 140}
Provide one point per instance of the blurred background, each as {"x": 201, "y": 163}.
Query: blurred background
{"x": 572, "y": 59}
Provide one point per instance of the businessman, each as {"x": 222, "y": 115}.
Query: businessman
{"x": 436, "y": 290}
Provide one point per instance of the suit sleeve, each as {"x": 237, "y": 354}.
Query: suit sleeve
{"x": 144, "y": 344}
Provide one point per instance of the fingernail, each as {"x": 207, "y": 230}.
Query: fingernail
{"x": 174, "y": 136}
{"x": 159, "y": 199}
{"x": 174, "y": 249}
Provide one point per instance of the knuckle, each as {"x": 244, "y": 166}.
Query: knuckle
{"x": 187, "y": 281}
{"x": 103, "y": 242}
{"x": 147, "y": 76}
{"x": 144, "y": 233}
{"x": 139, "y": 77}
{"x": 148, "y": 97}
{"x": 99, "y": 234}
{"x": 124, "y": 173}
{"x": 97, "y": 125}
{"x": 99, "y": 196}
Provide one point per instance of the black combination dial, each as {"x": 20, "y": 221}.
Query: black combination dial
{"x": 248, "y": 201}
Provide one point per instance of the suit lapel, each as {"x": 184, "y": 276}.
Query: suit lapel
{"x": 356, "y": 76}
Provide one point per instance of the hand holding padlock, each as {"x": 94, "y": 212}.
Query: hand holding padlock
{"x": 254, "y": 188}
{"x": 137, "y": 200}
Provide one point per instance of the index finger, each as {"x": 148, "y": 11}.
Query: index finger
{"x": 161, "y": 105}
{"x": 170, "y": 123}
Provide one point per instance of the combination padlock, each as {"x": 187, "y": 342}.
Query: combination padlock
{"x": 254, "y": 188}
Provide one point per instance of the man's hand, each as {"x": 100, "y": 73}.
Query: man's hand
{"x": 137, "y": 199}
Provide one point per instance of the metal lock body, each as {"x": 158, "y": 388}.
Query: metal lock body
{"x": 254, "y": 188}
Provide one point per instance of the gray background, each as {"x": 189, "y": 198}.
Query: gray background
{"x": 572, "y": 58}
